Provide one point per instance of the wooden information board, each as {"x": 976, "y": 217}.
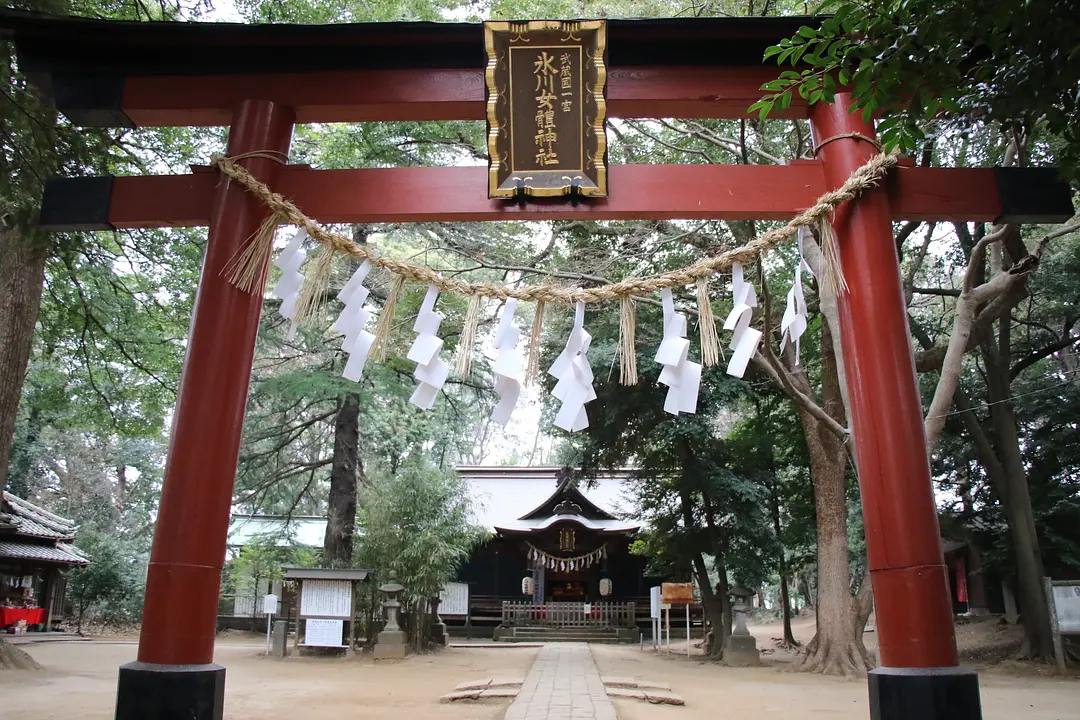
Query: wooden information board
{"x": 326, "y": 598}
{"x": 546, "y": 108}
{"x": 454, "y": 599}
{"x": 677, "y": 593}
{"x": 319, "y": 632}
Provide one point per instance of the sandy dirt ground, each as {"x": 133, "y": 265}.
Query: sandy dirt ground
{"x": 80, "y": 682}
{"x": 1009, "y": 689}
{"x": 772, "y": 692}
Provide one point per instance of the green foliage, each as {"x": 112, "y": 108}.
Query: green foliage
{"x": 111, "y": 587}
{"x": 415, "y": 525}
{"x": 956, "y": 63}
{"x": 1046, "y": 401}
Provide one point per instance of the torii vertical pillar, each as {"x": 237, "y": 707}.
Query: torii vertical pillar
{"x": 918, "y": 678}
{"x": 175, "y": 676}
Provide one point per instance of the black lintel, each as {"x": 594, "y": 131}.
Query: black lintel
{"x": 1033, "y": 195}
{"x": 91, "y": 100}
{"x": 76, "y": 204}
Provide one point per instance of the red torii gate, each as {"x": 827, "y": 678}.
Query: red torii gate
{"x": 261, "y": 80}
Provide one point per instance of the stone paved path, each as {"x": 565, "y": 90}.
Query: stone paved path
{"x": 563, "y": 684}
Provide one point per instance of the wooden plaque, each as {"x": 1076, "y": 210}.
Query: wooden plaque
{"x": 546, "y": 108}
{"x": 677, "y": 593}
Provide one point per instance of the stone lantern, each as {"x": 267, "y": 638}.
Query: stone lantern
{"x": 740, "y": 648}
{"x": 391, "y": 643}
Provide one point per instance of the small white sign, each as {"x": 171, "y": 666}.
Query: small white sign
{"x": 323, "y": 633}
{"x": 1067, "y": 604}
{"x": 588, "y": 608}
{"x": 270, "y": 604}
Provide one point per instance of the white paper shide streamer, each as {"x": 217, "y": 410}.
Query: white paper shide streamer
{"x": 575, "y": 376}
{"x": 508, "y": 364}
{"x": 793, "y": 324}
{"x": 288, "y": 286}
{"x": 744, "y": 339}
{"x": 682, "y": 376}
{"x": 431, "y": 371}
{"x": 352, "y": 321}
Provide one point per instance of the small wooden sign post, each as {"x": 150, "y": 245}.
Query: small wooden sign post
{"x": 546, "y": 108}
{"x": 678, "y": 594}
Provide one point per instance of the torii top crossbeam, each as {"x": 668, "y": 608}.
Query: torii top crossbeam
{"x": 261, "y": 80}
{"x": 123, "y": 74}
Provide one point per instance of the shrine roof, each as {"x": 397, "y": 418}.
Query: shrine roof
{"x": 299, "y": 573}
{"x": 278, "y": 530}
{"x": 32, "y": 533}
{"x": 61, "y": 553}
{"x": 523, "y": 499}
{"x": 602, "y": 526}
{"x": 50, "y": 44}
{"x": 35, "y": 522}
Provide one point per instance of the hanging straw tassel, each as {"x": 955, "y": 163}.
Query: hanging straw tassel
{"x": 468, "y": 336}
{"x": 627, "y": 347}
{"x": 710, "y": 339}
{"x": 313, "y": 290}
{"x": 532, "y": 370}
{"x": 381, "y": 343}
{"x": 247, "y": 270}
{"x": 832, "y": 272}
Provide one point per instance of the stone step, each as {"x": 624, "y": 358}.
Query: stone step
{"x": 561, "y": 631}
{"x": 594, "y": 635}
{"x": 607, "y": 639}
{"x": 567, "y": 631}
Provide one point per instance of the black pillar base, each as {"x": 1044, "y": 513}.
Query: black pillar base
{"x": 950, "y": 693}
{"x": 147, "y": 691}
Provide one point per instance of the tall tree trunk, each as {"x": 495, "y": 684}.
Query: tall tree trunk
{"x": 723, "y": 597}
{"x": 22, "y": 274}
{"x": 341, "y": 505}
{"x": 836, "y": 648}
{"x": 713, "y": 610}
{"x": 1016, "y": 499}
{"x": 718, "y": 542}
{"x": 781, "y": 567}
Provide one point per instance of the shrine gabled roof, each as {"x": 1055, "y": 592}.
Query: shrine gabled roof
{"x": 50, "y": 44}
{"x": 567, "y": 499}
{"x": 601, "y": 526}
{"x": 504, "y": 497}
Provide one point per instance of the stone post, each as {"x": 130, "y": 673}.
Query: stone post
{"x": 438, "y": 627}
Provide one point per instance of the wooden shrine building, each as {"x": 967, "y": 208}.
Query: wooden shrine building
{"x": 558, "y": 544}
{"x": 36, "y": 551}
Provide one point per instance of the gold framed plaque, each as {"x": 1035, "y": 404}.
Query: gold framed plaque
{"x": 546, "y": 108}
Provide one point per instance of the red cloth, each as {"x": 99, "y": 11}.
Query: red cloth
{"x": 961, "y": 580}
{"x": 32, "y": 616}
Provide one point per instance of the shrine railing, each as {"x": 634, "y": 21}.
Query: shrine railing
{"x": 519, "y": 613}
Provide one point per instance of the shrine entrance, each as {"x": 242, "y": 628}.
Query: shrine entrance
{"x": 261, "y": 80}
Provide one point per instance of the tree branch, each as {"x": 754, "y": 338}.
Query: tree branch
{"x": 1043, "y": 352}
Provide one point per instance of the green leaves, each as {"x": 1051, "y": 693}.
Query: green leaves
{"x": 950, "y": 63}
{"x": 416, "y": 524}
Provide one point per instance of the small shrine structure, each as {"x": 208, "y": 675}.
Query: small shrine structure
{"x": 36, "y": 550}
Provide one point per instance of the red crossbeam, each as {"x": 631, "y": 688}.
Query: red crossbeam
{"x": 448, "y": 194}
{"x": 372, "y": 95}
